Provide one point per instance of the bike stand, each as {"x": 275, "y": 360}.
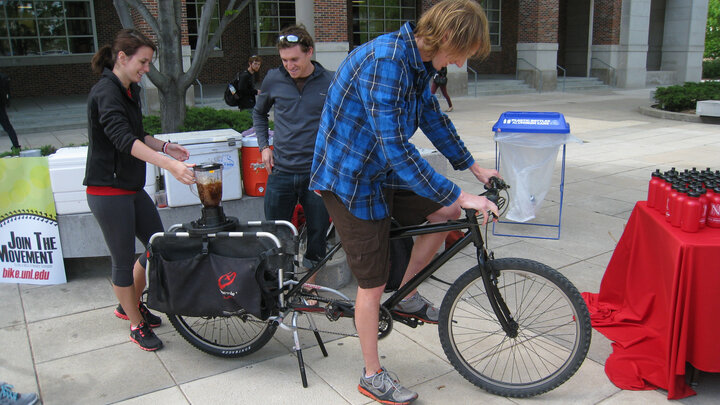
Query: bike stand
{"x": 298, "y": 348}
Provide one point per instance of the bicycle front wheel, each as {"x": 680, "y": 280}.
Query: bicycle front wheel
{"x": 224, "y": 336}
{"x": 553, "y": 337}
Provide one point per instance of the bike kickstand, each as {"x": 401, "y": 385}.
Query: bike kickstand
{"x": 317, "y": 335}
{"x": 298, "y": 351}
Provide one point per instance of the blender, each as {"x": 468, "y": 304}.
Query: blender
{"x": 208, "y": 179}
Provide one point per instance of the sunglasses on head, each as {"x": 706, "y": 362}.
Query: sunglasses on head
{"x": 289, "y": 38}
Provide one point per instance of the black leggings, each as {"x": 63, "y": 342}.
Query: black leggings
{"x": 121, "y": 219}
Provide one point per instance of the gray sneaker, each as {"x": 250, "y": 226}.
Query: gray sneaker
{"x": 8, "y": 397}
{"x": 419, "y": 307}
{"x": 384, "y": 387}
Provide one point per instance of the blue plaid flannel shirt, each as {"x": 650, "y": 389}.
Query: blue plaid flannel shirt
{"x": 376, "y": 101}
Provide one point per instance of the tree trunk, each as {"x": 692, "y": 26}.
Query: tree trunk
{"x": 170, "y": 78}
{"x": 172, "y": 113}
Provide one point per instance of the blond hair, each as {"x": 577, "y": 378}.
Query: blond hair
{"x": 459, "y": 26}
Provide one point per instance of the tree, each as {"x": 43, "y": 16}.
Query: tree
{"x": 712, "y": 30}
{"x": 170, "y": 79}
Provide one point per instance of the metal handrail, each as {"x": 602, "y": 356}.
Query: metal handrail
{"x": 536, "y": 69}
{"x": 564, "y": 75}
{"x": 476, "y": 79}
{"x": 612, "y": 81}
{"x": 202, "y": 99}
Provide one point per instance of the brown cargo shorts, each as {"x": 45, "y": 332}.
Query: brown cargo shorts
{"x": 366, "y": 242}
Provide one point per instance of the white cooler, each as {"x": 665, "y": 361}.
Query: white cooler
{"x": 67, "y": 171}
{"x": 213, "y": 146}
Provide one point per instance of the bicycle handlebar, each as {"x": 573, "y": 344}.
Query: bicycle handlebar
{"x": 492, "y": 193}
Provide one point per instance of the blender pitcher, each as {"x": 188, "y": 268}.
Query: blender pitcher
{"x": 208, "y": 178}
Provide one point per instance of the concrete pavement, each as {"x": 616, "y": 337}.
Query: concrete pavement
{"x": 64, "y": 342}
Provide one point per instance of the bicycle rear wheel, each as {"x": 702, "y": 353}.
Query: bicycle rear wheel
{"x": 553, "y": 337}
{"x": 229, "y": 336}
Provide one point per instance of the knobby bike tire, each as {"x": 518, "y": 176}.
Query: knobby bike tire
{"x": 224, "y": 336}
{"x": 553, "y": 337}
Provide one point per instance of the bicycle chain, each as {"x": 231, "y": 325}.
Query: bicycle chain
{"x": 327, "y": 308}
{"x": 330, "y": 317}
{"x": 318, "y": 298}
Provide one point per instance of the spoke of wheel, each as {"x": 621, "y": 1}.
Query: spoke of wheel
{"x": 524, "y": 358}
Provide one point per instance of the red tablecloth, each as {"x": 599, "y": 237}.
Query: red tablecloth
{"x": 659, "y": 302}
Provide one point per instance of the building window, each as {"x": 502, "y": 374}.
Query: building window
{"x": 44, "y": 27}
{"x": 271, "y": 17}
{"x": 372, "y": 18}
{"x": 194, "y": 14}
{"x": 492, "y": 9}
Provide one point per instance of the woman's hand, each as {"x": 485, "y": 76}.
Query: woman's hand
{"x": 177, "y": 151}
{"x": 181, "y": 171}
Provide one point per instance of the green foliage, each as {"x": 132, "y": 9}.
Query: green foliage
{"x": 151, "y": 124}
{"x": 681, "y": 98}
{"x": 44, "y": 151}
{"x": 47, "y": 150}
{"x": 712, "y": 30}
{"x": 711, "y": 69}
{"x": 205, "y": 118}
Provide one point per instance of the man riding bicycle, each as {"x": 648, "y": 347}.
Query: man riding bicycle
{"x": 367, "y": 170}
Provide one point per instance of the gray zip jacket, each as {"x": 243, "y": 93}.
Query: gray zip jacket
{"x": 297, "y": 116}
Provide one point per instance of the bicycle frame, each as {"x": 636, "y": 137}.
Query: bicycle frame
{"x": 484, "y": 264}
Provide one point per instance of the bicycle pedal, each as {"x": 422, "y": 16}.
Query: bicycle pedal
{"x": 410, "y": 321}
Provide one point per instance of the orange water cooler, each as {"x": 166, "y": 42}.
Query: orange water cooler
{"x": 254, "y": 174}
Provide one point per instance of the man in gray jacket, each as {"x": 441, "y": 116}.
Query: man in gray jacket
{"x": 297, "y": 89}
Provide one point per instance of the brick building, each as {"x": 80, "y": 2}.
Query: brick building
{"x": 46, "y": 45}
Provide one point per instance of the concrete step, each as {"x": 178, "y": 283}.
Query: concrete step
{"x": 581, "y": 83}
{"x": 498, "y": 87}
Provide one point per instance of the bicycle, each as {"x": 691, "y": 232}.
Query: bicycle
{"x": 511, "y": 326}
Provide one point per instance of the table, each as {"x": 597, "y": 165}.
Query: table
{"x": 659, "y": 302}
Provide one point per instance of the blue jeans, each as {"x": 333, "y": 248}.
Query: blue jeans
{"x": 283, "y": 191}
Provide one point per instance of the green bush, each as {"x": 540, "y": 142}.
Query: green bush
{"x": 44, "y": 151}
{"x": 151, "y": 124}
{"x": 681, "y": 98}
{"x": 204, "y": 118}
{"x": 711, "y": 69}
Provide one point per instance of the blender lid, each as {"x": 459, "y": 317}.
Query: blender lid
{"x": 208, "y": 167}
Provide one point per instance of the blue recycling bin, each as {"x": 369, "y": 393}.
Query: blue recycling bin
{"x": 526, "y": 148}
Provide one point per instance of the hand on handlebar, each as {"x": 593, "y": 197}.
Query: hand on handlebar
{"x": 480, "y": 204}
{"x": 482, "y": 174}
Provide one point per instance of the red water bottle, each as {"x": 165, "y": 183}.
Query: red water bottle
{"x": 662, "y": 197}
{"x": 713, "y": 216}
{"x": 677, "y": 206}
{"x": 691, "y": 212}
{"x": 704, "y": 204}
{"x": 671, "y": 197}
{"x": 709, "y": 188}
{"x": 656, "y": 181}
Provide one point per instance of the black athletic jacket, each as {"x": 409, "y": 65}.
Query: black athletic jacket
{"x": 114, "y": 123}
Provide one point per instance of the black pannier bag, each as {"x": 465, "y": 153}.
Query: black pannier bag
{"x": 213, "y": 276}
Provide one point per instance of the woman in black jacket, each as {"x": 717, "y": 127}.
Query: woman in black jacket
{"x": 115, "y": 173}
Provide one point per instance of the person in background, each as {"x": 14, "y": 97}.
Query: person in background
{"x": 9, "y": 397}
{"x": 4, "y": 119}
{"x": 245, "y": 86}
{"x": 115, "y": 173}
{"x": 368, "y": 171}
{"x": 297, "y": 89}
{"x": 440, "y": 81}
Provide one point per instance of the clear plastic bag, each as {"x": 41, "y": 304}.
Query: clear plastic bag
{"x": 527, "y": 163}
